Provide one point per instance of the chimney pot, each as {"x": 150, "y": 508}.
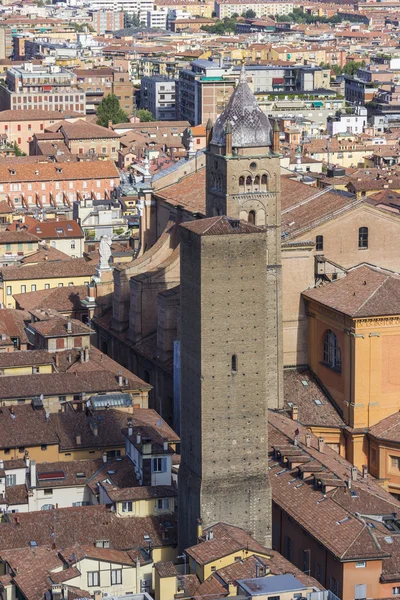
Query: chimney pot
{"x": 354, "y": 473}
{"x": 308, "y": 439}
{"x": 321, "y": 444}
{"x": 294, "y": 411}
{"x": 364, "y": 471}
{"x": 138, "y": 438}
{"x": 78, "y": 439}
{"x": 104, "y": 457}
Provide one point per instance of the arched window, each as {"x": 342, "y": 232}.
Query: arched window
{"x": 48, "y": 507}
{"x": 234, "y": 363}
{"x": 252, "y": 217}
{"x": 256, "y": 183}
{"x": 363, "y": 237}
{"x": 264, "y": 182}
{"x": 332, "y": 355}
{"x": 248, "y": 183}
{"x": 241, "y": 183}
{"x": 319, "y": 242}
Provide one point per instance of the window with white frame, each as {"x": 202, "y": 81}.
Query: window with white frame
{"x": 116, "y": 576}
{"x": 127, "y": 506}
{"x": 162, "y": 503}
{"x": 11, "y": 480}
{"x": 159, "y": 465}
{"x": 396, "y": 591}
{"x": 361, "y": 564}
{"x": 93, "y": 578}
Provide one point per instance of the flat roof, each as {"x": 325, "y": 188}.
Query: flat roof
{"x": 260, "y": 586}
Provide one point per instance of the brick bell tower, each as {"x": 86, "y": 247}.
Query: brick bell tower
{"x": 231, "y": 327}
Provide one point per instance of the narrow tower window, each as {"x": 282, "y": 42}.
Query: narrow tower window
{"x": 264, "y": 183}
{"x": 241, "y": 184}
{"x": 234, "y": 363}
{"x": 319, "y": 242}
{"x": 252, "y": 217}
{"x": 363, "y": 237}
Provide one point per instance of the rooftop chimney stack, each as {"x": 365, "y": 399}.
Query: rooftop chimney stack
{"x": 294, "y": 411}
{"x": 321, "y": 444}
{"x": 104, "y": 456}
{"x": 33, "y": 473}
{"x": 138, "y": 438}
{"x": 364, "y": 471}
{"x": 276, "y": 143}
{"x": 120, "y": 379}
{"x": 130, "y": 428}
{"x": 354, "y": 473}
{"x": 69, "y": 325}
{"x": 308, "y": 439}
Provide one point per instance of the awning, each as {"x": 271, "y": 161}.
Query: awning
{"x": 317, "y": 104}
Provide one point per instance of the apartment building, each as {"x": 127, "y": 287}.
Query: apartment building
{"x": 107, "y": 20}
{"x": 203, "y": 91}
{"x": 45, "y": 88}
{"x": 226, "y": 8}
{"x": 48, "y": 185}
{"x": 100, "y": 82}
{"x": 131, "y": 7}
{"x": 21, "y": 125}
{"x": 157, "y": 94}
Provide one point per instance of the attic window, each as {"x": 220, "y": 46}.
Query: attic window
{"x": 38, "y": 230}
{"x": 12, "y": 171}
{"x": 59, "y": 170}
{"x": 318, "y": 402}
{"x": 305, "y": 383}
{"x": 81, "y": 475}
{"x": 51, "y": 476}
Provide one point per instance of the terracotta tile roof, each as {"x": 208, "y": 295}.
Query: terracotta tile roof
{"x": 301, "y": 389}
{"x": 59, "y": 384}
{"x": 140, "y": 492}
{"x": 57, "y": 326}
{"x": 50, "y": 171}
{"x": 54, "y": 229}
{"x": 12, "y": 324}
{"x": 5, "y": 207}
{"x": 166, "y": 569}
{"x": 102, "y": 554}
{"x": 27, "y": 428}
{"x": 212, "y": 589}
{"x": 9, "y": 237}
{"x": 334, "y": 520}
{"x": 65, "y": 575}
{"x": 24, "y": 358}
{"x": 387, "y": 429}
{"x": 84, "y": 525}
{"x": 85, "y": 468}
{"x": 227, "y": 539}
{"x": 123, "y": 475}
{"x": 47, "y": 253}
{"x": 220, "y": 226}
{"x": 16, "y": 494}
{"x": 82, "y": 130}
{"x": 36, "y": 115}
{"x": 364, "y": 292}
{"x": 64, "y": 299}
{"x": 75, "y": 267}
{"x": 190, "y": 192}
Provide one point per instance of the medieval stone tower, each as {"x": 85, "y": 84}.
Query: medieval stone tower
{"x": 231, "y": 366}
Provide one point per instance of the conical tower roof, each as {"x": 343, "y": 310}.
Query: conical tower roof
{"x": 250, "y": 125}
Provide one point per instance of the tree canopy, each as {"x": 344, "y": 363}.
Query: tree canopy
{"x": 145, "y": 115}
{"x": 110, "y": 109}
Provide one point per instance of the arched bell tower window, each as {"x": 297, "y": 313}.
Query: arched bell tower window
{"x": 252, "y": 217}
{"x": 248, "y": 183}
{"x": 234, "y": 364}
{"x": 241, "y": 184}
{"x": 264, "y": 183}
{"x": 256, "y": 183}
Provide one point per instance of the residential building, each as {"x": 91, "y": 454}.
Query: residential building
{"x": 21, "y": 125}
{"x": 157, "y": 19}
{"x": 203, "y": 91}
{"x": 348, "y": 123}
{"x": 77, "y": 138}
{"x": 107, "y": 20}
{"x": 43, "y": 88}
{"x": 100, "y": 217}
{"x": 46, "y": 275}
{"x": 226, "y": 8}
{"x": 100, "y": 82}
{"x": 14, "y": 245}
{"x": 157, "y": 94}
{"x": 65, "y": 236}
{"x": 50, "y": 186}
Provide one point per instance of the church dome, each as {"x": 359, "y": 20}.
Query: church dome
{"x": 250, "y": 125}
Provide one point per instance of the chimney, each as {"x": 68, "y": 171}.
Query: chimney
{"x": 294, "y": 412}
{"x": 321, "y": 444}
{"x": 57, "y": 359}
{"x": 228, "y": 139}
{"x": 27, "y": 460}
{"x": 69, "y": 325}
{"x": 92, "y": 290}
{"x": 276, "y": 143}
{"x": 81, "y": 356}
{"x": 209, "y": 131}
{"x": 130, "y": 428}
{"x": 109, "y": 125}
{"x": 94, "y": 427}
{"x": 120, "y": 379}
{"x": 364, "y": 471}
{"x": 354, "y": 473}
{"x": 86, "y": 354}
{"x": 33, "y": 473}
{"x": 166, "y": 446}
{"x": 138, "y": 438}
{"x": 78, "y": 439}
{"x": 308, "y": 439}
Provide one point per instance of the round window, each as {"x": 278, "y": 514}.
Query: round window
{"x": 253, "y": 166}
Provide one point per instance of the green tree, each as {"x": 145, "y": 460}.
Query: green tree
{"x": 17, "y": 150}
{"x": 131, "y": 20}
{"x": 145, "y": 115}
{"x": 249, "y": 14}
{"x": 352, "y": 67}
{"x": 110, "y": 109}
